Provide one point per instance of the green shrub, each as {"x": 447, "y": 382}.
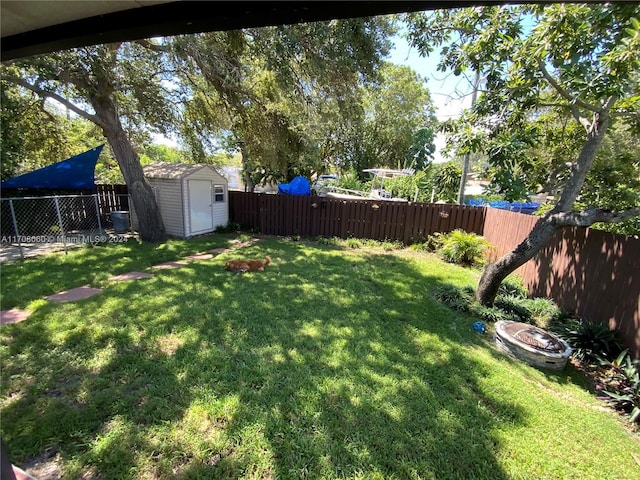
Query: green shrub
{"x": 432, "y": 244}
{"x": 621, "y": 385}
{"x": 515, "y": 306}
{"x": 354, "y": 243}
{"x": 539, "y": 311}
{"x": 491, "y": 314}
{"x": 351, "y": 181}
{"x": 543, "y": 308}
{"x": 592, "y": 342}
{"x": 456, "y": 298}
{"x": 390, "y": 245}
{"x": 463, "y": 248}
{"x": 328, "y": 240}
{"x": 513, "y": 286}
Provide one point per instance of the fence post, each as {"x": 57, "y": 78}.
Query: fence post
{"x": 15, "y": 228}
{"x": 132, "y": 210}
{"x": 95, "y": 201}
{"x": 64, "y": 235}
{"x": 343, "y": 219}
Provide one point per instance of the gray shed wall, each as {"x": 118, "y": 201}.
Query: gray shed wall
{"x": 168, "y": 195}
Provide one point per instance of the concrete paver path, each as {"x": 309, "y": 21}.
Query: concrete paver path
{"x": 74, "y": 294}
{"x": 13, "y": 315}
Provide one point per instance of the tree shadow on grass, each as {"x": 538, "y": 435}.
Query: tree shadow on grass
{"x": 326, "y": 365}
{"x": 86, "y": 394}
{"x": 352, "y": 387}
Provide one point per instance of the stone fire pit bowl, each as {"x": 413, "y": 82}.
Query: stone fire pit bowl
{"x": 532, "y": 345}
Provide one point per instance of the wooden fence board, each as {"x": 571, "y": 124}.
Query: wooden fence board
{"x": 407, "y": 222}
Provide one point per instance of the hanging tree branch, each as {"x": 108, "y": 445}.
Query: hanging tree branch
{"x": 47, "y": 94}
{"x": 574, "y": 102}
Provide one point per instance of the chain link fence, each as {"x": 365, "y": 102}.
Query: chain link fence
{"x": 33, "y": 224}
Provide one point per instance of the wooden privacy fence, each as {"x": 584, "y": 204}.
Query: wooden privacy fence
{"x": 407, "y": 222}
{"x": 592, "y": 273}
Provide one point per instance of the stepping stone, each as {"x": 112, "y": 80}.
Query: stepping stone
{"x": 130, "y": 276}
{"x": 200, "y": 256}
{"x": 218, "y": 251}
{"x": 13, "y": 316}
{"x": 74, "y": 294}
{"x": 164, "y": 266}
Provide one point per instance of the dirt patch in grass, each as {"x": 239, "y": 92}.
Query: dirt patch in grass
{"x": 47, "y": 466}
{"x": 169, "y": 344}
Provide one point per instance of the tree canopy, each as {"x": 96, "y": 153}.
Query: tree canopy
{"x": 304, "y": 98}
{"x": 577, "y": 60}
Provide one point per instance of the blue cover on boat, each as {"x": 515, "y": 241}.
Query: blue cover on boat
{"x": 299, "y": 186}
{"x": 75, "y": 173}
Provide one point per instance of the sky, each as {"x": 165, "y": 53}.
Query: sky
{"x": 450, "y": 94}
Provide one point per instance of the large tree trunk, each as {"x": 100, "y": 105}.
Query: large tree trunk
{"x": 494, "y": 273}
{"x": 150, "y": 224}
{"x": 248, "y": 181}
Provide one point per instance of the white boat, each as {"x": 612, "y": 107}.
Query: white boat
{"x": 377, "y": 192}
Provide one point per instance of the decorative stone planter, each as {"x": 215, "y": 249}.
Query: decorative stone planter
{"x": 532, "y": 345}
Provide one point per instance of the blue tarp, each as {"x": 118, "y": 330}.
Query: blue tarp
{"x": 522, "y": 207}
{"x": 75, "y": 173}
{"x": 299, "y": 186}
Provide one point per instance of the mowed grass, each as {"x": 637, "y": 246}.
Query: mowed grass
{"x": 333, "y": 363}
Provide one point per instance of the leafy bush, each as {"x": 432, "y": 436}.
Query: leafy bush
{"x": 463, "y": 248}
{"x": 540, "y": 311}
{"x": 350, "y": 180}
{"x": 390, "y": 245}
{"x": 431, "y": 244}
{"x": 357, "y": 243}
{"x": 543, "y": 309}
{"x": 621, "y": 385}
{"x": 456, "y": 298}
{"x": 515, "y": 306}
{"x": 544, "y": 313}
{"x": 513, "y": 286}
{"x": 354, "y": 243}
{"x": 491, "y": 314}
{"x": 592, "y": 342}
{"x": 327, "y": 240}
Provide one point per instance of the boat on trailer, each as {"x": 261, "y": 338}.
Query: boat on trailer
{"x": 377, "y": 191}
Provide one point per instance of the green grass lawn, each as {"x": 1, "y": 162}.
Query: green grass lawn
{"x": 333, "y": 363}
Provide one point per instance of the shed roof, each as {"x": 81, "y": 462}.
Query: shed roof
{"x": 168, "y": 170}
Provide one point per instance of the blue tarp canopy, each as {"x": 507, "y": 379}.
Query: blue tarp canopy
{"x": 75, "y": 173}
{"x": 299, "y": 186}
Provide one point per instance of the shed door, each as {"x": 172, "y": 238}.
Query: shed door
{"x": 200, "y": 205}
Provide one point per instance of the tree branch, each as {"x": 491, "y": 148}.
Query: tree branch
{"x": 574, "y": 102}
{"x": 634, "y": 115}
{"x": 590, "y": 216}
{"x": 153, "y": 46}
{"x": 46, "y": 94}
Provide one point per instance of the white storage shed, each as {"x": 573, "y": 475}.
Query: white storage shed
{"x": 193, "y": 198}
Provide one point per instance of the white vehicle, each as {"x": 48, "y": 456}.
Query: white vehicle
{"x": 377, "y": 192}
